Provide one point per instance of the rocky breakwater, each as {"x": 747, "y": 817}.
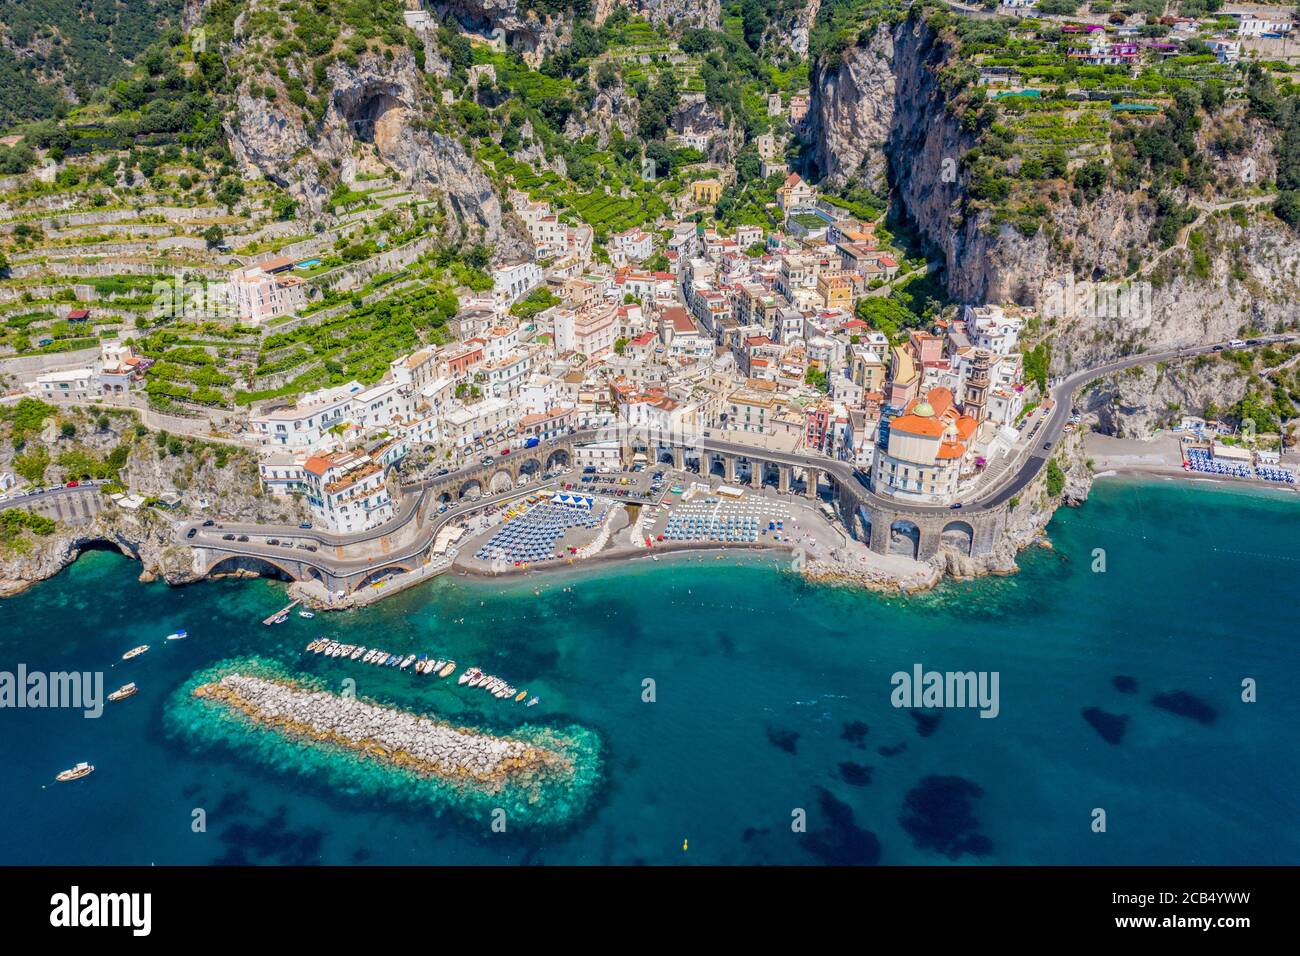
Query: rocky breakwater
{"x": 546, "y": 774}
{"x": 902, "y": 577}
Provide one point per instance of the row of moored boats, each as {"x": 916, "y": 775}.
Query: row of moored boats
{"x": 423, "y": 663}
{"x": 473, "y": 677}
{"x": 420, "y": 664}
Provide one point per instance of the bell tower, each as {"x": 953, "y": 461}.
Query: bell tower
{"x": 977, "y": 385}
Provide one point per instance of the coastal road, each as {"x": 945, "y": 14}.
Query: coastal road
{"x": 1063, "y": 395}
{"x": 1043, "y": 441}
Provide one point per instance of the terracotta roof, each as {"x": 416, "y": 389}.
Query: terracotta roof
{"x": 916, "y": 425}
{"x": 318, "y": 464}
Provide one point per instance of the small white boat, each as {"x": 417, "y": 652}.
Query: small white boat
{"x": 123, "y": 692}
{"x": 76, "y": 773}
{"x": 533, "y": 702}
{"x": 307, "y": 614}
{"x": 135, "y": 652}
{"x": 178, "y": 636}
{"x": 448, "y": 670}
{"x": 468, "y": 676}
{"x": 410, "y": 659}
{"x": 357, "y": 653}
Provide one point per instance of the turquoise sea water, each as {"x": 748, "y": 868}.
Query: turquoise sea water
{"x": 771, "y": 696}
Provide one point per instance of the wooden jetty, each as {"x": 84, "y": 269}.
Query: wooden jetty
{"x": 271, "y": 620}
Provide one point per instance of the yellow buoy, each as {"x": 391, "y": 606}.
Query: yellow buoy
{"x": 685, "y": 846}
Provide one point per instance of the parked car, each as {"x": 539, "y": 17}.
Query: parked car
{"x": 273, "y": 541}
{"x": 242, "y": 537}
{"x": 955, "y": 504}
{"x": 1047, "y": 446}
{"x": 488, "y": 459}
{"x": 73, "y": 483}
{"x": 227, "y": 537}
{"x": 306, "y": 525}
{"x": 504, "y": 452}
{"x": 192, "y": 532}
{"x": 209, "y": 523}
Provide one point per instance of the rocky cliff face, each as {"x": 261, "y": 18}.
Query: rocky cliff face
{"x": 1028, "y": 518}
{"x": 1138, "y": 402}
{"x": 694, "y": 115}
{"x": 802, "y": 25}
{"x": 227, "y": 480}
{"x": 704, "y": 13}
{"x": 534, "y": 35}
{"x": 610, "y": 109}
{"x": 881, "y": 112}
{"x": 852, "y": 113}
{"x": 378, "y": 107}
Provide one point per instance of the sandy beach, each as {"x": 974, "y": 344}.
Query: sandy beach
{"x": 1159, "y": 457}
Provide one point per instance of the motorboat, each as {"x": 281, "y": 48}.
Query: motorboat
{"x": 135, "y": 652}
{"x": 448, "y": 670}
{"x": 178, "y": 636}
{"x": 123, "y": 692}
{"x": 76, "y": 773}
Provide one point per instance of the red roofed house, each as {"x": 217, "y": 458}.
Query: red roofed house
{"x": 794, "y": 193}
{"x": 348, "y": 490}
